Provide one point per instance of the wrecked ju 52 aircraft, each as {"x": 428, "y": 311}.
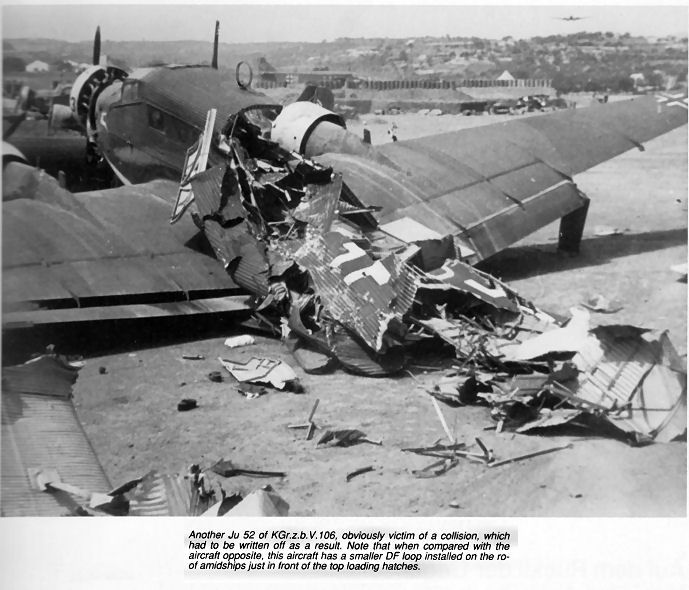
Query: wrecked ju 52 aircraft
{"x": 93, "y": 255}
{"x": 325, "y": 271}
{"x": 318, "y": 263}
{"x": 358, "y": 251}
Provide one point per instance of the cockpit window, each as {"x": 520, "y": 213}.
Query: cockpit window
{"x": 130, "y": 91}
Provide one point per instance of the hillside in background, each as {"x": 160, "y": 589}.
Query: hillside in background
{"x": 582, "y": 61}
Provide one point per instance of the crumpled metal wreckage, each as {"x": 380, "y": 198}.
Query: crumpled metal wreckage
{"x": 320, "y": 268}
{"x": 615, "y": 376}
{"x": 325, "y": 274}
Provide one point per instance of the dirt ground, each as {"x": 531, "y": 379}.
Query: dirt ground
{"x": 636, "y": 230}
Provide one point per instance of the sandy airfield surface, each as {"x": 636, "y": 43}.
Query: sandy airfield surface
{"x": 130, "y": 412}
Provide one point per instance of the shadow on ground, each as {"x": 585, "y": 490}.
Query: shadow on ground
{"x": 97, "y": 338}
{"x": 525, "y": 261}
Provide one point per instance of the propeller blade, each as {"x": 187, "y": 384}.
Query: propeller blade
{"x": 214, "y": 61}
{"x": 96, "y": 47}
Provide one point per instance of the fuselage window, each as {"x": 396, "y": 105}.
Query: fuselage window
{"x": 171, "y": 126}
{"x": 156, "y": 119}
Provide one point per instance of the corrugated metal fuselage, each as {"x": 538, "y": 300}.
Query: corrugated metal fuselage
{"x": 146, "y": 123}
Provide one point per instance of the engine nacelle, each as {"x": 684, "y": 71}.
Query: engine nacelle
{"x": 295, "y": 123}
{"x": 88, "y": 85}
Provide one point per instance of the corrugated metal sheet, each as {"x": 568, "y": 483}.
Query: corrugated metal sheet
{"x": 242, "y": 253}
{"x": 41, "y": 430}
{"x": 206, "y": 187}
{"x": 343, "y": 276}
{"x": 161, "y": 495}
{"x": 42, "y": 376}
{"x": 633, "y": 377}
{"x": 493, "y": 185}
{"x": 89, "y": 246}
{"x": 319, "y": 204}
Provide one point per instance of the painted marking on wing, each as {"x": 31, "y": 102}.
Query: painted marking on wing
{"x": 494, "y": 292}
{"x": 353, "y": 252}
{"x": 376, "y": 271}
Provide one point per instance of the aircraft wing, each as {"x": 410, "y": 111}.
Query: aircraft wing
{"x": 490, "y": 186}
{"x": 107, "y": 254}
{"x": 112, "y": 254}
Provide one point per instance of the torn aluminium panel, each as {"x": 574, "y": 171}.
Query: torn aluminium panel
{"x": 638, "y": 377}
{"x": 269, "y": 223}
{"x": 367, "y": 296}
{"x": 261, "y": 370}
{"x": 41, "y": 430}
{"x": 630, "y": 377}
{"x": 49, "y": 467}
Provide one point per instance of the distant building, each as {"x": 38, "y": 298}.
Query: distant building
{"x": 37, "y": 66}
{"x": 506, "y": 76}
{"x": 638, "y": 79}
{"x": 326, "y": 78}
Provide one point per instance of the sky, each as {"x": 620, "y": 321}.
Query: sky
{"x": 309, "y": 22}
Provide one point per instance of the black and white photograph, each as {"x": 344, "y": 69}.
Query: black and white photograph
{"x": 351, "y": 260}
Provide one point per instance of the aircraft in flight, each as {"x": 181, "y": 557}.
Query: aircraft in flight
{"x": 264, "y": 183}
{"x": 570, "y": 18}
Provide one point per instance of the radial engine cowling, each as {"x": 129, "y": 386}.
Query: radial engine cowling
{"x": 88, "y": 85}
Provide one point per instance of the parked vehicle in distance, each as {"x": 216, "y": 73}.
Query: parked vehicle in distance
{"x": 505, "y": 106}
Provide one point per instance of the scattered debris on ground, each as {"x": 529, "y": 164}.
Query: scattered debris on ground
{"x": 358, "y": 472}
{"x": 606, "y": 230}
{"x": 215, "y": 377}
{"x": 187, "y": 404}
{"x": 601, "y": 304}
{"x": 228, "y": 469}
{"x": 309, "y": 425}
{"x": 345, "y": 438}
{"x": 239, "y": 341}
{"x": 620, "y": 376}
{"x": 275, "y": 373}
{"x": 332, "y": 280}
{"x": 449, "y": 456}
